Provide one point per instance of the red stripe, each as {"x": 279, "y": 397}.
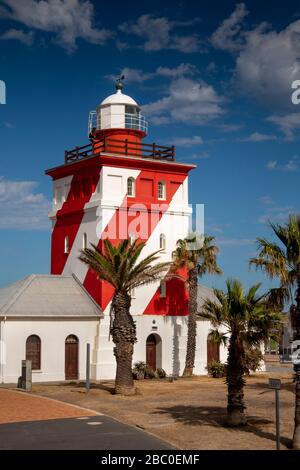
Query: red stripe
{"x": 69, "y": 217}
{"x": 101, "y": 291}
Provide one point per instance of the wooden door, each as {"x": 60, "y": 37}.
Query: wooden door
{"x": 213, "y": 351}
{"x": 71, "y": 357}
{"x": 151, "y": 352}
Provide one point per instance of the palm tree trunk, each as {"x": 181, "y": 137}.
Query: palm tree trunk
{"x": 235, "y": 383}
{"x": 124, "y": 336}
{"x": 296, "y": 436}
{"x": 192, "y": 324}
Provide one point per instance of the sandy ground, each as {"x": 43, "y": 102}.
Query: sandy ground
{"x": 190, "y": 413}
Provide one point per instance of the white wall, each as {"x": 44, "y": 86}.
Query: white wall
{"x": 173, "y": 333}
{"x": 170, "y": 354}
{"x": 52, "y": 334}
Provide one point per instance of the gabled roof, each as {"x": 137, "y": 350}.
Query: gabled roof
{"x": 41, "y": 295}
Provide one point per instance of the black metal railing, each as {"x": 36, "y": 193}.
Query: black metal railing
{"x": 121, "y": 147}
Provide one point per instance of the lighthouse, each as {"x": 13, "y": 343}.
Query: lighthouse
{"x": 118, "y": 186}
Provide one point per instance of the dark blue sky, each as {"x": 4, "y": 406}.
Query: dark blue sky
{"x": 214, "y": 78}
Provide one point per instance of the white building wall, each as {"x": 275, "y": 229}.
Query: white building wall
{"x": 171, "y": 333}
{"x": 52, "y": 334}
{"x": 170, "y": 352}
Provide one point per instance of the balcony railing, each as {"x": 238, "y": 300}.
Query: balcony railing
{"x": 131, "y": 121}
{"x": 120, "y": 147}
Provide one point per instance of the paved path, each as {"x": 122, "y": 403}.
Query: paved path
{"x": 32, "y": 422}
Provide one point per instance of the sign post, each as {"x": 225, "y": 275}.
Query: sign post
{"x": 275, "y": 384}
{"x": 87, "y": 382}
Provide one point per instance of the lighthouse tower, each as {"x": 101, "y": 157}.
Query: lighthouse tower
{"x": 117, "y": 187}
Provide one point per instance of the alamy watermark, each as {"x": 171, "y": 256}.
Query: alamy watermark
{"x": 2, "y": 92}
{"x": 296, "y": 94}
{"x": 138, "y": 221}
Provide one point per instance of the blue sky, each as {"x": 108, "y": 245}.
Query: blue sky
{"x": 214, "y": 78}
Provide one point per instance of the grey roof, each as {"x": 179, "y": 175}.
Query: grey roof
{"x": 42, "y": 295}
{"x": 203, "y": 294}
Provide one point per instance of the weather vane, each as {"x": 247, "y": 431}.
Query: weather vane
{"x": 119, "y": 84}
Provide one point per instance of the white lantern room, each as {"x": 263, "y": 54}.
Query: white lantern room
{"x": 117, "y": 111}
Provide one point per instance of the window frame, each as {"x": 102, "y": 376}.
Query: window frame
{"x": 162, "y": 242}
{"x": 162, "y": 184}
{"x": 39, "y": 352}
{"x": 131, "y": 180}
{"x": 66, "y": 245}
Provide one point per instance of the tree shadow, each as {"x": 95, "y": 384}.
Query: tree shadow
{"x": 107, "y": 386}
{"x": 216, "y": 416}
{"x": 288, "y": 386}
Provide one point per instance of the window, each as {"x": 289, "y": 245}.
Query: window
{"x": 84, "y": 241}
{"x": 162, "y": 242}
{"x": 129, "y": 109}
{"x": 33, "y": 351}
{"x": 66, "y": 245}
{"x": 131, "y": 187}
{"x": 161, "y": 190}
{"x": 163, "y": 289}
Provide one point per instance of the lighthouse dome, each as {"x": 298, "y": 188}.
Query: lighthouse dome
{"x": 119, "y": 98}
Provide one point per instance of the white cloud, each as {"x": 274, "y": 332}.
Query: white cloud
{"x": 267, "y": 200}
{"x": 179, "y": 71}
{"x": 68, "y": 20}
{"x": 132, "y": 75}
{"x": 227, "y": 37}
{"x": 267, "y": 62}
{"x": 198, "y": 156}
{"x": 19, "y": 35}
{"x": 226, "y": 128}
{"x": 258, "y": 137}
{"x": 288, "y": 123}
{"x": 290, "y": 166}
{"x": 277, "y": 214}
{"x": 139, "y": 76}
{"x": 157, "y": 34}
{"x": 187, "y": 141}
{"x": 272, "y": 164}
{"x": 188, "y": 101}
{"x": 21, "y": 207}
{"x": 234, "y": 241}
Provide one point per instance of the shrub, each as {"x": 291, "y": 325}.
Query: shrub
{"x": 161, "y": 373}
{"x": 216, "y": 369}
{"x": 139, "y": 370}
{"x": 150, "y": 373}
{"x": 252, "y": 359}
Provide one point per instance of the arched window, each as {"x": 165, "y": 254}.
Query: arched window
{"x": 163, "y": 289}
{"x": 162, "y": 241}
{"x": 131, "y": 187}
{"x": 84, "y": 241}
{"x": 66, "y": 245}
{"x": 33, "y": 351}
{"x": 161, "y": 190}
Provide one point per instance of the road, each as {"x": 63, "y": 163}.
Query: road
{"x": 37, "y": 423}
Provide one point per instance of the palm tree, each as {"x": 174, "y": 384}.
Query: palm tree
{"x": 247, "y": 320}
{"x": 282, "y": 261}
{"x": 122, "y": 268}
{"x": 198, "y": 256}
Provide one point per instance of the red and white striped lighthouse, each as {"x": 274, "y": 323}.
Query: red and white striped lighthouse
{"x": 118, "y": 187}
